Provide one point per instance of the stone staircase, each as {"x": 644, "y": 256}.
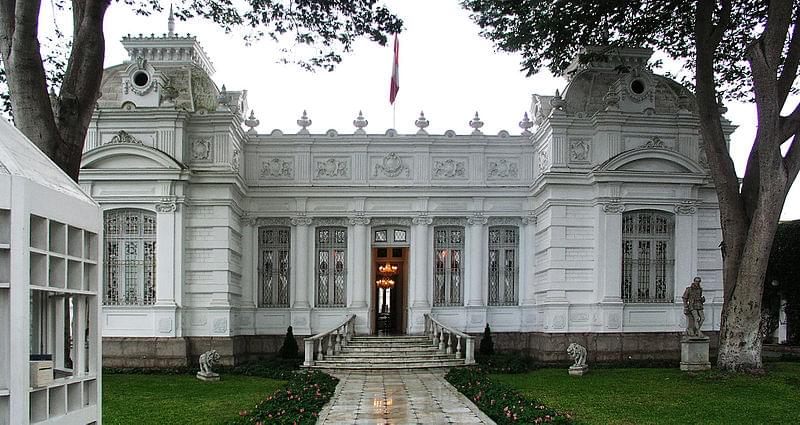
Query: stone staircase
{"x": 388, "y": 352}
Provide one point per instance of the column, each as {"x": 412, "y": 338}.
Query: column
{"x": 422, "y": 253}
{"x": 527, "y": 282}
{"x": 301, "y": 262}
{"x": 249, "y": 262}
{"x": 477, "y": 225}
{"x": 165, "y": 254}
{"x": 609, "y": 254}
{"x": 361, "y": 285}
{"x": 685, "y": 238}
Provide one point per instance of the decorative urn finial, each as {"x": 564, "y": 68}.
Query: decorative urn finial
{"x": 252, "y": 122}
{"x": 171, "y": 22}
{"x": 303, "y": 122}
{"x": 476, "y": 124}
{"x": 360, "y": 122}
{"x": 422, "y": 123}
{"x": 526, "y": 125}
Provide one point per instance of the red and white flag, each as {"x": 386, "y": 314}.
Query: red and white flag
{"x": 394, "y": 85}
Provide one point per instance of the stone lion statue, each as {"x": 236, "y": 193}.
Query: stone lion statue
{"x": 207, "y": 361}
{"x": 578, "y": 354}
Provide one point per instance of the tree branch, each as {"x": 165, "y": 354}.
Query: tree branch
{"x": 792, "y": 161}
{"x": 790, "y": 63}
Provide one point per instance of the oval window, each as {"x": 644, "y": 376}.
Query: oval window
{"x": 141, "y": 78}
{"x": 637, "y": 86}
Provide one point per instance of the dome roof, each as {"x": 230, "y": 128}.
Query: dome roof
{"x": 20, "y": 157}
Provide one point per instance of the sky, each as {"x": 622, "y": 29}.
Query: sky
{"x": 446, "y": 70}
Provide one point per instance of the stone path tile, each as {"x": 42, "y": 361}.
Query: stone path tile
{"x": 398, "y": 398}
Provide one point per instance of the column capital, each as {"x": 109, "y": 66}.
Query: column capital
{"x": 166, "y": 205}
{"x": 478, "y": 220}
{"x": 685, "y": 208}
{"x": 613, "y": 206}
{"x": 422, "y": 220}
{"x": 301, "y": 220}
{"x": 359, "y": 220}
{"x": 530, "y": 219}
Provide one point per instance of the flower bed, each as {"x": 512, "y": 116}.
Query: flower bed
{"x": 298, "y": 403}
{"x": 500, "y": 402}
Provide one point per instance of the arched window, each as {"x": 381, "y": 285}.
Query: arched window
{"x": 274, "y": 254}
{"x": 448, "y": 266}
{"x": 130, "y": 254}
{"x": 648, "y": 257}
{"x": 503, "y": 247}
{"x": 331, "y": 266}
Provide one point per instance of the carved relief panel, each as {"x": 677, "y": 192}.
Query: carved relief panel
{"x": 502, "y": 169}
{"x": 449, "y": 169}
{"x": 277, "y": 168}
{"x": 331, "y": 168}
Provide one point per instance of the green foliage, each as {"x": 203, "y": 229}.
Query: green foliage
{"x": 157, "y": 399}
{"x": 551, "y": 33}
{"x": 660, "y": 396}
{"x": 289, "y": 348}
{"x": 276, "y": 368}
{"x": 298, "y": 403}
{"x": 500, "y": 402}
{"x": 506, "y": 363}
{"x": 487, "y": 345}
{"x": 784, "y": 268}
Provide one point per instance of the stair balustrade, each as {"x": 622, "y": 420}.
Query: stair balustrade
{"x": 449, "y": 340}
{"x": 329, "y": 343}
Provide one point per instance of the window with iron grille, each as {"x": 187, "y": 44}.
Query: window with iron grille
{"x": 503, "y": 268}
{"x": 448, "y": 266}
{"x": 648, "y": 259}
{"x": 130, "y": 257}
{"x": 331, "y": 266}
{"x": 274, "y": 262}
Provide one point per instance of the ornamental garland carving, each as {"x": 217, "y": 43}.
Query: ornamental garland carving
{"x": 449, "y": 168}
{"x": 271, "y": 221}
{"x": 579, "y": 151}
{"x": 450, "y": 221}
{"x": 301, "y": 220}
{"x": 530, "y": 219}
{"x": 122, "y": 136}
{"x": 655, "y": 142}
{"x": 477, "y": 220}
{"x": 277, "y": 168}
{"x": 504, "y": 221}
{"x": 330, "y": 221}
{"x": 201, "y": 150}
{"x": 331, "y": 167}
{"x": 359, "y": 220}
{"x": 422, "y": 219}
{"x": 391, "y": 166}
{"x": 235, "y": 160}
{"x": 613, "y": 207}
{"x": 544, "y": 161}
{"x": 685, "y": 208}
{"x": 503, "y": 169}
{"x": 391, "y": 221}
{"x": 166, "y": 206}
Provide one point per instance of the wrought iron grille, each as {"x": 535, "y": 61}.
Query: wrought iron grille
{"x": 448, "y": 266}
{"x": 648, "y": 262}
{"x": 503, "y": 268}
{"x": 274, "y": 253}
{"x": 130, "y": 253}
{"x": 331, "y": 266}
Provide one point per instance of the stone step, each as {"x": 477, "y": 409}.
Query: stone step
{"x": 407, "y": 364}
{"x": 377, "y": 349}
{"x": 387, "y": 343}
{"x": 388, "y": 356}
{"x": 391, "y": 338}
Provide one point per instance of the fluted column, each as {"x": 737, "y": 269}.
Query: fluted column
{"x": 301, "y": 262}
{"x": 422, "y": 252}
{"x": 477, "y": 225}
{"x": 361, "y": 286}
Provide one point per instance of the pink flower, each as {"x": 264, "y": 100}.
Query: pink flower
{"x": 243, "y": 413}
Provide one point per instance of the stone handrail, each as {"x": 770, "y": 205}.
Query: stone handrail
{"x": 330, "y": 342}
{"x": 442, "y": 337}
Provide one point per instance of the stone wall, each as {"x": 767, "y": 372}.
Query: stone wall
{"x": 182, "y": 352}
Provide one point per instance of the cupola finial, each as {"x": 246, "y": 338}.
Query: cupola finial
{"x": 171, "y": 22}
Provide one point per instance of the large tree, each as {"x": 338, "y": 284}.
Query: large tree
{"x": 57, "y": 124}
{"x": 740, "y": 49}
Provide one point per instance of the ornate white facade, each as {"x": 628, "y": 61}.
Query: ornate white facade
{"x": 592, "y": 220}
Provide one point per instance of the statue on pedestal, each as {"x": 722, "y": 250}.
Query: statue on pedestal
{"x": 578, "y": 354}
{"x": 207, "y": 361}
{"x": 693, "y": 300}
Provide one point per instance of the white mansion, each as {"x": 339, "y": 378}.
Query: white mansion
{"x": 586, "y": 226}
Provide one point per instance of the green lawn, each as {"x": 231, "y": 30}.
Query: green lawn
{"x": 667, "y": 396}
{"x": 179, "y": 399}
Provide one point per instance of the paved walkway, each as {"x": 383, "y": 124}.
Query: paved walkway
{"x": 403, "y": 397}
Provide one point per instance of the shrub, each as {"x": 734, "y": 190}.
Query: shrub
{"x": 500, "y": 402}
{"x": 506, "y": 363}
{"x": 289, "y": 348}
{"x": 298, "y": 403}
{"x": 487, "y": 346}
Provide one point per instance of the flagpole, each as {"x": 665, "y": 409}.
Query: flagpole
{"x": 394, "y": 115}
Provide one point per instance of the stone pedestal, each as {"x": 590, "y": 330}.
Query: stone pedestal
{"x": 694, "y": 353}
{"x": 210, "y": 376}
{"x": 578, "y": 370}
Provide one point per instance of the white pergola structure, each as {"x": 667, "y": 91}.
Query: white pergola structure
{"x": 49, "y": 274}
